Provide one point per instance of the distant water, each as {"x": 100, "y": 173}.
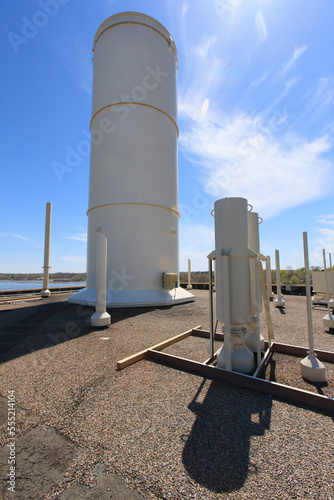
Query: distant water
{"x": 24, "y": 285}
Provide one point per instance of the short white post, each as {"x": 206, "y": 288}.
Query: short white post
{"x": 189, "y": 286}
{"x": 269, "y": 280}
{"x": 279, "y": 302}
{"x": 101, "y": 317}
{"x": 331, "y": 301}
{"x": 47, "y": 238}
{"x": 328, "y": 319}
{"x": 311, "y": 368}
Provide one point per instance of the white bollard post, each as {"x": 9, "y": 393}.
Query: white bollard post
{"x": 331, "y": 301}
{"x": 328, "y": 319}
{"x": 279, "y": 302}
{"x": 47, "y": 238}
{"x": 101, "y": 317}
{"x": 311, "y": 368}
{"x": 189, "y": 286}
{"x": 270, "y": 292}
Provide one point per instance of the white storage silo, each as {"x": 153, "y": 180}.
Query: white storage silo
{"x": 133, "y": 189}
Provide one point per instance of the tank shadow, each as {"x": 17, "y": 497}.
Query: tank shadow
{"x": 216, "y": 453}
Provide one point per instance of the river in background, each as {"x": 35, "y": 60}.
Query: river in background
{"x": 24, "y": 285}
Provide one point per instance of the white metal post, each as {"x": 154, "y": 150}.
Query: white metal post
{"x": 326, "y": 279}
{"x": 47, "y": 239}
{"x": 311, "y": 368}
{"x": 331, "y": 302}
{"x": 328, "y": 319}
{"x": 189, "y": 286}
{"x": 211, "y": 341}
{"x": 101, "y": 317}
{"x": 279, "y": 302}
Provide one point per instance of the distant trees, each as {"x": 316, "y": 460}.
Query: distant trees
{"x": 39, "y": 276}
{"x": 289, "y": 276}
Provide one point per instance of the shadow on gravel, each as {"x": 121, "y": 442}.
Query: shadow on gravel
{"x": 28, "y": 329}
{"x": 216, "y": 453}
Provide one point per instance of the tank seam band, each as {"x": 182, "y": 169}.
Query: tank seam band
{"x": 134, "y": 203}
{"x": 136, "y": 104}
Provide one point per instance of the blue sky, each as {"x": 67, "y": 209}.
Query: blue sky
{"x": 255, "y": 104}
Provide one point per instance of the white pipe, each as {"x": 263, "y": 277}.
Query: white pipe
{"x": 214, "y": 275}
{"x": 259, "y": 308}
{"x": 254, "y": 244}
{"x": 278, "y": 275}
{"x": 311, "y": 368}
{"x": 326, "y": 278}
{"x": 211, "y": 341}
{"x": 101, "y": 317}
{"x": 308, "y": 295}
{"x": 331, "y": 270}
{"x": 189, "y": 286}
{"x": 47, "y": 238}
{"x": 268, "y": 278}
{"x": 227, "y": 311}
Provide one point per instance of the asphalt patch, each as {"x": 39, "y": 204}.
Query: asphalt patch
{"x": 42, "y": 457}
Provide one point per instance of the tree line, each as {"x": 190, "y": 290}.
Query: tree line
{"x": 288, "y": 276}
{"x": 39, "y": 276}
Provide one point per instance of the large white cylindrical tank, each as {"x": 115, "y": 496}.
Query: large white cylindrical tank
{"x": 231, "y": 237}
{"x": 133, "y": 187}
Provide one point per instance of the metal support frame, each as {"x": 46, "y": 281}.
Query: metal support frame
{"x": 255, "y": 383}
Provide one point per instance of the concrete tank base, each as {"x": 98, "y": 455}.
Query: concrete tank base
{"x": 134, "y": 298}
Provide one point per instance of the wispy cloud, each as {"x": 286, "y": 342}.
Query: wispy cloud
{"x": 203, "y": 48}
{"x": 325, "y": 91}
{"x": 257, "y": 81}
{"x": 13, "y": 235}
{"x": 325, "y": 219}
{"x": 297, "y": 53}
{"x": 238, "y": 156}
{"x": 261, "y": 27}
{"x": 78, "y": 237}
{"x": 324, "y": 239}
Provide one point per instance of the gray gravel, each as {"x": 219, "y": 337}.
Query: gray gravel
{"x": 168, "y": 434}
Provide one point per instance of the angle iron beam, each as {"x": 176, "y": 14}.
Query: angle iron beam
{"x": 265, "y": 386}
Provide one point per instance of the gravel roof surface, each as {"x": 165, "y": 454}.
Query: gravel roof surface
{"x": 169, "y": 434}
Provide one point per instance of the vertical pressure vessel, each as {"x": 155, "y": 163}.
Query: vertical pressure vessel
{"x": 133, "y": 187}
{"x": 231, "y": 238}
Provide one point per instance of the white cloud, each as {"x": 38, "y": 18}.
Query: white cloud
{"x": 13, "y": 235}
{"x": 239, "y": 156}
{"x": 324, "y": 239}
{"x": 298, "y": 51}
{"x": 78, "y": 237}
{"x": 261, "y": 27}
{"x": 325, "y": 91}
{"x": 202, "y": 49}
{"x": 257, "y": 81}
